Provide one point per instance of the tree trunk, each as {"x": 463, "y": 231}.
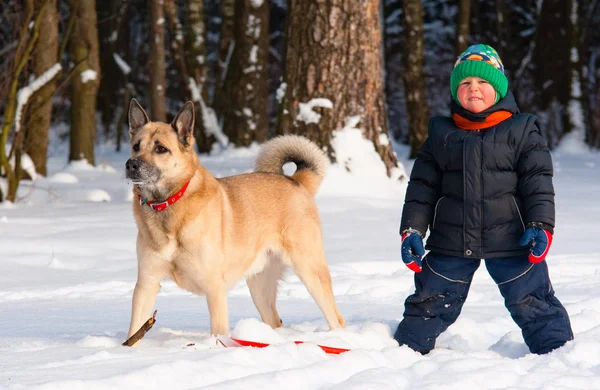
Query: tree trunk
{"x": 245, "y": 118}
{"x": 393, "y": 49}
{"x": 226, "y": 45}
{"x": 85, "y": 82}
{"x": 577, "y": 123}
{"x": 476, "y": 23}
{"x": 463, "y": 26}
{"x": 553, "y": 68}
{"x": 177, "y": 41}
{"x": 40, "y": 105}
{"x": 593, "y": 137}
{"x": 503, "y": 32}
{"x": 195, "y": 61}
{"x": 156, "y": 63}
{"x": 334, "y": 53}
{"x": 416, "y": 103}
{"x": 114, "y": 40}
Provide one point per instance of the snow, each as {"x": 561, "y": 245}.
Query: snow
{"x": 359, "y": 170}
{"x": 253, "y": 54}
{"x": 27, "y": 165}
{"x": 253, "y": 26}
{"x": 125, "y": 68}
{"x": 384, "y": 139}
{"x": 25, "y": 93}
{"x": 306, "y": 113}
{"x": 88, "y": 75}
{"x": 280, "y": 93}
{"x": 68, "y": 269}
{"x": 209, "y": 116}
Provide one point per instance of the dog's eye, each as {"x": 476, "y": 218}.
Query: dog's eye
{"x": 136, "y": 147}
{"x": 160, "y": 149}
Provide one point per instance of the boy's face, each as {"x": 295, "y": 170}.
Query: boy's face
{"x": 476, "y": 94}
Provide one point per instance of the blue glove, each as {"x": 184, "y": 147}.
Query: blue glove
{"x": 539, "y": 240}
{"x": 412, "y": 250}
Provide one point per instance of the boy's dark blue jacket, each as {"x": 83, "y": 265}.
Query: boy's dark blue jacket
{"x": 477, "y": 189}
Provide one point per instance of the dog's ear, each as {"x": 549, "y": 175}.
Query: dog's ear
{"x": 137, "y": 117}
{"x": 183, "y": 123}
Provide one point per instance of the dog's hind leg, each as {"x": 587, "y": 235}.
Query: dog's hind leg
{"x": 308, "y": 261}
{"x": 263, "y": 289}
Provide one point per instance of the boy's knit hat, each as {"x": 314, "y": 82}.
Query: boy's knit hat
{"x": 480, "y": 61}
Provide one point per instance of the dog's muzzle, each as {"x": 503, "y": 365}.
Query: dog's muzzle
{"x": 139, "y": 170}
{"x": 132, "y": 168}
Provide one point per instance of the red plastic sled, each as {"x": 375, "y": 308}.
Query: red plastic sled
{"x": 331, "y": 350}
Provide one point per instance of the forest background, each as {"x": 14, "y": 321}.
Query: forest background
{"x": 256, "y": 69}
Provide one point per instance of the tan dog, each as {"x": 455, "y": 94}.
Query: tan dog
{"x": 212, "y": 232}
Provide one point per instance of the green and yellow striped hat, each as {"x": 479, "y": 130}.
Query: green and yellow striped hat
{"x": 480, "y": 61}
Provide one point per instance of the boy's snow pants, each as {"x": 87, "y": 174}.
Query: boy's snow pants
{"x": 442, "y": 287}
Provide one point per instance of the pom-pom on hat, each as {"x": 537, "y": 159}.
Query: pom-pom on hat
{"x": 480, "y": 61}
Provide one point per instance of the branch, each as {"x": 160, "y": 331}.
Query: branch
{"x": 61, "y": 86}
{"x": 8, "y": 48}
{"x": 137, "y": 336}
{"x": 24, "y": 50}
{"x": 68, "y": 31}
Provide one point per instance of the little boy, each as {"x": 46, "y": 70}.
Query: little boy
{"x": 482, "y": 184}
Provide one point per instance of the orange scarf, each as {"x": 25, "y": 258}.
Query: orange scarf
{"x": 491, "y": 120}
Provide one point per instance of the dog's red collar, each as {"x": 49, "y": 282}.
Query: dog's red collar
{"x": 160, "y": 206}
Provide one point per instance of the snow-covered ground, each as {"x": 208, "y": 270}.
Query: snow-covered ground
{"x": 68, "y": 268}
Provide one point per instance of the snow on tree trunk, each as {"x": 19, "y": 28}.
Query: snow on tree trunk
{"x": 156, "y": 62}
{"x": 245, "y": 116}
{"x": 45, "y": 56}
{"x": 416, "y": 103}
{"x": 85, "y": 82}
{"x": 333, "y": 76}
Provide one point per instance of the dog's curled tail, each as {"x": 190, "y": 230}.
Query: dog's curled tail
{"x": 310, "y": 161}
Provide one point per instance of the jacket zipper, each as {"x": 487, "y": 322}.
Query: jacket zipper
{"x": 482, "y": 193}
{"x": 518, "y": 212}
{"x": 464, "y": 188}
{"x": 435, "y": 212}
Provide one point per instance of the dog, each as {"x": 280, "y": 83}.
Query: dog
{"x": 207, "y": 233}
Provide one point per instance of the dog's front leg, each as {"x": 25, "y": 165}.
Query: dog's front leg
{"x": 144, "y": 296}
{"x": 217, "y": 309}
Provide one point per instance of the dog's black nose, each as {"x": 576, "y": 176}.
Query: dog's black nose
{"x": 132, "y": 165}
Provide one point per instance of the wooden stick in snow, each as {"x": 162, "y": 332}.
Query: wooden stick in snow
{"x": 137, "y": 336}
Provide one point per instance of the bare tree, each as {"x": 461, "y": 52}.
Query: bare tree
{"x": 28, "y": 34}
{"x": 84, "y": 84}
{"x": 502, "y": 30}
{"x": 157, "y": 65}
{"x": 463, "y": 26}
{"x": 226, "y": 45}
{"x": 39, "y": 113}
{"x": 576, "y": 109}
{"x": 195, "y": 62}
{"x": 115, "y": 88}
{"x": 558, "y": 73}
{"x": 245, "y": 117}
{"x": 333, "y": 74}
{"x": 416, "y": 103}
